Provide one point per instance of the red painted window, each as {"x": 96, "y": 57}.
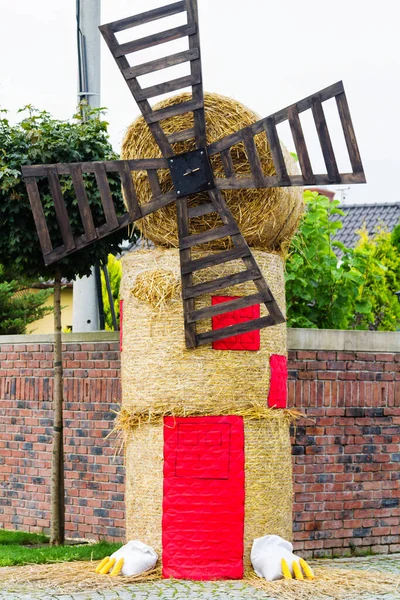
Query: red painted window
{"x": 243, "y": 341}
{"x": 203, "y": 504}
{"x": 277, "y": 397}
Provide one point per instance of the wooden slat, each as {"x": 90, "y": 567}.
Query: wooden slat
{"x": 166, "y": 87}
{"x": 111, "y": 166}
{"x": 60, "y": 208}
{"x": 223, "y": 307}
{"x": 306, "y": 103}
{"x": 130, "y": 194}
{"x": 172, "y": 111}
{"x": 227, "y": 163}
{"x": 161, "y": 63}
{"x": 38, "y": 214}
{"x": 195, "y": 69}
{"x": 226, "y": 142}
{"x": 105, "y": 195}
{"x": 325, "y": 141}
{"x": 201, "y": 210}
{"x": 181, "y": 136}
{"x": 214, "y": 259}
{"x": 349, "y": 135}
{"x": 238, "y": 183}
{"x": 220, "y": 283}
{"x": 153, "y": 40}
{"x": 225, "y": 332}
{"x": 276, "y": 151}
{"x": 253, "y": 157}
{"x": 83, "y": 202}
{"x": 301, "y": 148}
{"x": 157, "y": 203}
{"x": 146, "y": 17}
{"x": 154, "y": 183}
{"x": 186, "y": 278}
{"x": 207, "y": 236}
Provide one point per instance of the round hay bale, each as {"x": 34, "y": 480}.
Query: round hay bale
{"x": 267, "y": 217}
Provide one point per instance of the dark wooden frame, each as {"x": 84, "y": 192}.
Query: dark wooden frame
{"x": 257, "y": 179}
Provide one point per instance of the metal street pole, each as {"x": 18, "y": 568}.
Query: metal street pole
{"x": 86, "y": 313}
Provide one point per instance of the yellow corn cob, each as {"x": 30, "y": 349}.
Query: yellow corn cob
{"x": 285, "y": 569}
{"x": 308, "y": 572}
{"x": 102, "y": 564}
{"x": 117, "y": 569}
{"x": 107, "y": 566}
{"x": 297, "y": 571}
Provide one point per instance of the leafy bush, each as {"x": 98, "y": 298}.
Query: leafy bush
{"x": 356, "y": 291}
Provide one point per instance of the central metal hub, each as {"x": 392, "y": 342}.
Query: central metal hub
{"x": 191, "y": 172}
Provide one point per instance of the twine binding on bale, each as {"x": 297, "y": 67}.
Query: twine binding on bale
{"x": 329, "y": 583}
{"x": 267, "y": 217}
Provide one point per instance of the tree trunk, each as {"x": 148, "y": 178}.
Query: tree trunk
{"x": 57, "y": 465}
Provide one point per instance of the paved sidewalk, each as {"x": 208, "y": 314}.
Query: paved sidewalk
{"x": 185, "y": 590}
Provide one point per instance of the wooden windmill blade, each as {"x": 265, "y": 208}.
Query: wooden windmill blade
{"x": 142, "y": 95}
{"x": 239, "y": 251}
{"x": 256, "y": 177}
{"x": 112, "y": 222}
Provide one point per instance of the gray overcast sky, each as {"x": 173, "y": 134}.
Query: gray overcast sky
{"x": 264, "y": 54}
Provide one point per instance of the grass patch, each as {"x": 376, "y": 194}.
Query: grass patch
{"x": 15, "y": 550}
{"x": 21, "y": 538}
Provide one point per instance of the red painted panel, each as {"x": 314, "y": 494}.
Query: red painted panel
{"x": 121, "y": 319}
{"x": 244, "y": 341}
{"x": 277, "y": 397}
{"x": 203, "y": 504}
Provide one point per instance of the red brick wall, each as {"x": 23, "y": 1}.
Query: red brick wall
{"x": 94, "y": 480}
{"x": 346, "y": 452}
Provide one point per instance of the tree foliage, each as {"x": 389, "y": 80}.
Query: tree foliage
{"x": 19, "y": 306}
{"x": 38, "y": 138}
{"x": 356, "y": 291}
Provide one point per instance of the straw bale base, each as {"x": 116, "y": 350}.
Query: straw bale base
{"x": 268, "y": 481}
{"x": 144, "y": 485}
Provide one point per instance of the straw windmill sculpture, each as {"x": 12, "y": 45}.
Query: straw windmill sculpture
{"x": 209, "y": 468}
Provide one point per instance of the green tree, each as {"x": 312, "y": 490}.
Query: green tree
{"x": 39, "y": 138}
{"x": 19, "y": 306}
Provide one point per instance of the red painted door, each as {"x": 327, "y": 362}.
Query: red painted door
{"x": 203, "y": 504}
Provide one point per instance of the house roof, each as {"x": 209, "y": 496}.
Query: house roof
{"x": 386, "y": 215}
